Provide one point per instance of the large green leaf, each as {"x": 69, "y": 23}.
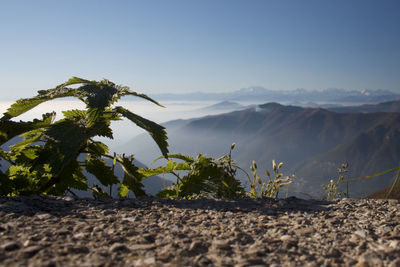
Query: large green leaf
{"x": 25, "y": 156}
{"x": 156, "y": 131}
{"x": 132, "y": 178}
{"x": 99, "y": 127}
{"x": 123, "y": 191}
{"x": 76, "y": 114}
{"x": 28, "y": 139}
{"x": 9, "y": 129}
{"x": 101, "y": 170}
{"x": 97, "y": 148}
{"x": 185, "y": 158}
{"x": 169, "y": 168}
{"x": 71, "y": 176}
{"x": 124, "y": 90}
{"x": 66, "y": 139}
{"x": 75, "y": 80}
{"x": 23, "y": 105}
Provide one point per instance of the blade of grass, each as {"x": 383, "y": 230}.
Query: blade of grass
{"x": 367, "y": 177}
{"x": 394, "y": 183}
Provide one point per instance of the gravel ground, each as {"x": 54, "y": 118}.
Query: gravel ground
{"x": 62, "y": 231}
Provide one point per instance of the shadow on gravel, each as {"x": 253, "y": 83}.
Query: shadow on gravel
{"x": 37, "y": 206}
{"x": 63, "y": 206}
{"x": 267, "y": 206}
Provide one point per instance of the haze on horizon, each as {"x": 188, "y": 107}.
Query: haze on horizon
{"x": 208, "y": 46}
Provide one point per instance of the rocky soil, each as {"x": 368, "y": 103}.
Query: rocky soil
{"x": 62, "y": 231}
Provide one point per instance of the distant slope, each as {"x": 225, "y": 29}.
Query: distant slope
{"x": 391, "y": 106}
{"x": 367, "y": 153}
{"x": 224, "y": 105}
{"x": 300, "y": 137}
{"x": 395, "y": 194}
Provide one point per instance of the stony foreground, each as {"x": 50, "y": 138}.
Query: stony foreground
{"x": 62, "y": 231}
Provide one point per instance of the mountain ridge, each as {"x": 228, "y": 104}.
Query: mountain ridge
{"x": 258, "y": 93}
{"x": 290, "y": 134}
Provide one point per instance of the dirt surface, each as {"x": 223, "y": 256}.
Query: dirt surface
{"x": 62, "y": 231}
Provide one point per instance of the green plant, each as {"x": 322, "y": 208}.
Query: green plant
{"x": 205, "y": 176}
{"x": 271, "y": 188}
{"x": 51, "y": 156}
{"x": 332, "y": 188}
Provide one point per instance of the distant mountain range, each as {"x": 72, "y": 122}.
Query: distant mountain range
{"x": 312, "y": 142}
{"x": 224, "y": 105}
{"x": 331, "y": 95}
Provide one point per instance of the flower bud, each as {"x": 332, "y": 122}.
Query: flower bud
{"x": 233, "y": 146}
{"x": 280, "y": 165}
{"x": 254, "y": 164}
{"x": 258, "y": 179}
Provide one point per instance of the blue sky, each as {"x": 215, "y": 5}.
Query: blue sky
{"x": 209, "y": 46}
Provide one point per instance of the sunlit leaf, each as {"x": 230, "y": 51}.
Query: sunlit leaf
{"x": 10, "y": 129}
{"x": 123, "y": 191}
{"x": 156, "y": 131}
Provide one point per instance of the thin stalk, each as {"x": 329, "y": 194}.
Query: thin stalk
{"x": 72, "y": 193}
{"x": 392, "y": 187}
{"x": 367, "y": 177}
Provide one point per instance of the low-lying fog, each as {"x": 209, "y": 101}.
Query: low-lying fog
{"x": 125, "y": 130}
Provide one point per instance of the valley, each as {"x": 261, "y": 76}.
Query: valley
{"x": 312, "y": 142}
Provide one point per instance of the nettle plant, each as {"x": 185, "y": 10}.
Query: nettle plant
{"x": 200, "y": 177}
{"x": 52, "y": 155}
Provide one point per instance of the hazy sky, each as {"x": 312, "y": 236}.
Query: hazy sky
{"x": 183, "y": 46}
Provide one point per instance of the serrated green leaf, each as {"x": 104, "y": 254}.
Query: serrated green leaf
{"x": 151, "y": 172}
{"x": 75, "y": 80}
{"x": 111, "y": 115}
{"x": 10, "y": 129}
{"x": 100, "y": 128}
{"x": 132, "y": 178}
{"x": 126, "y": 91}
{"x": 74, "y": 114}
{"x": 4, "y": 155}
{"x": 71, "y": 177}
{"x": 28, "y": 139}
{"x": 97, "y": 148}
{"x": 26, "y": 156}
{"x": 101, "y": 170}
{"x": 168, "y": 192}
{"x": 123, "y": 191}
{"x": 157, "y": 132}
{"x": 26, "y": 104}
{"x": 169, "y": 168}
{"x": 176, "y": 156}
{"x": 65, "y": 140}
